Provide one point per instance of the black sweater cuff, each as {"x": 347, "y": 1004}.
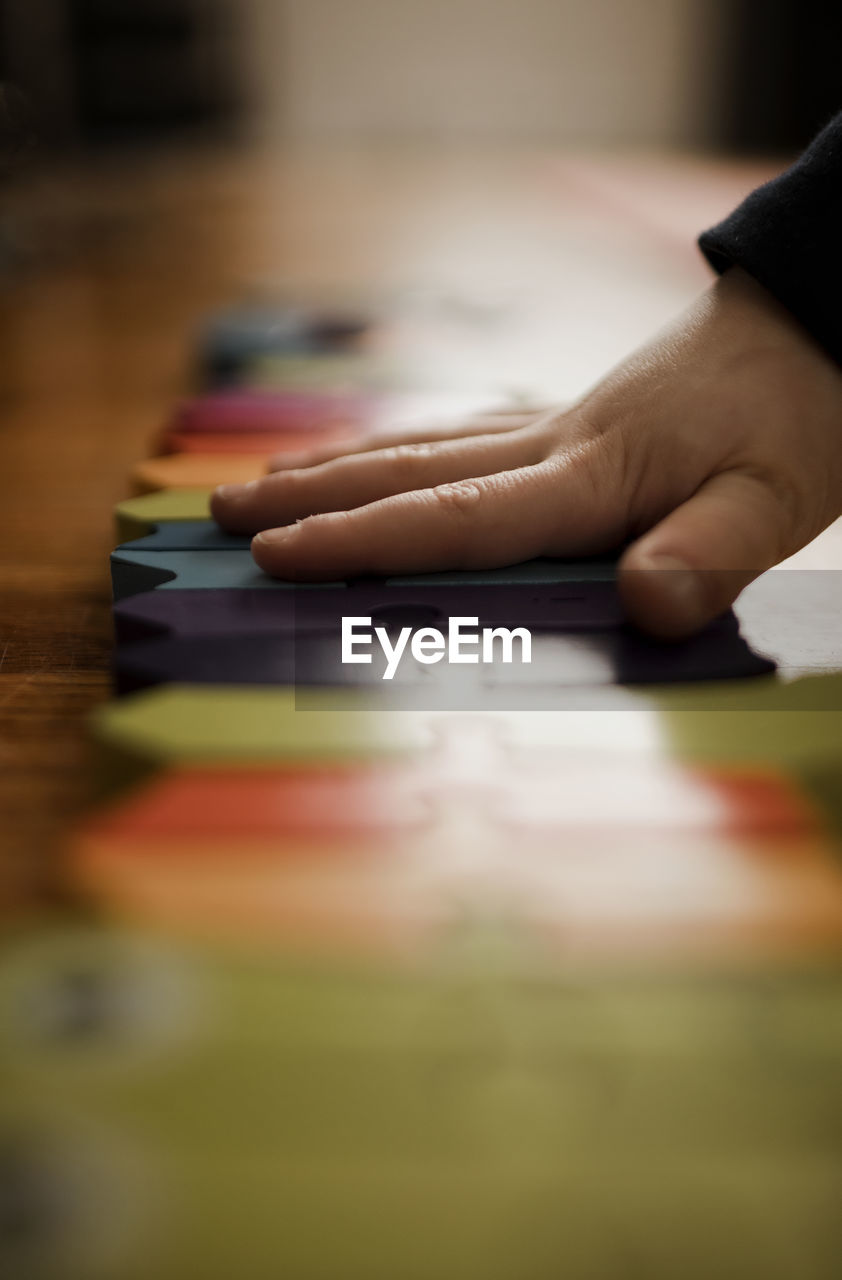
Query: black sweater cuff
{"x": 788, "y": 235}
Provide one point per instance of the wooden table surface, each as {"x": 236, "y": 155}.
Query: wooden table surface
{"x": 528, "y": 270}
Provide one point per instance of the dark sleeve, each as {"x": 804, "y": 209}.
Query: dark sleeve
{"x": 788, "y": 235}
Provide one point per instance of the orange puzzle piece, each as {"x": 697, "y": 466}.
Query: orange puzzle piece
{"x": 682, "y": 861}
{"x": 196, "y": 471}
{"x": 291, "y": 856}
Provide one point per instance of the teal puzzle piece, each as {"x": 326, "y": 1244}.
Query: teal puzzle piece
{"x": 188, "y": 535}
{"x": 149, "y": 563}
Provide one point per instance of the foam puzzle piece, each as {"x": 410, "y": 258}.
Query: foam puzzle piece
{"x": 707, "y": 856}
{"x": 136, "y": 571}
{"x": 191, "y": 724}
{"x": 320, "y": 854}
{"x": 344, "y": 373}
{"x": 303, "y": 658}
{"x": 608, "y": 783}
{"x": 376, "y": 895}
{"x": 764, "y": 722}
{"x": 214, "y": 611}
{"x": 248, "y": 412}
{"x": 405, "y": 850}
{"x": 624, "y": 656}
{"x": 232, "y": 340}
{"x": 136, "y": 517}
{"x": 304, "y": 1075}
{"x": 189, "y": 569}
{"x": 699, "y": 896}
{"x": 187, "y": 535}
{"x": 240, "y": 660}
{"x": 555, "y": 792}
{"x": 794, "y": 723}
{"x": 262, "y": 443}
{"x": 563, "y": 792}
{"x": 543, "y": 595}
{"x": 346, "y": 895}
{"x": 541, "y": 572}
{"x": 316, "y": 803}
{"x": 195, "y": 471}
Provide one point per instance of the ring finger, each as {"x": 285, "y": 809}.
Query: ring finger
{"x": 355, "y": 480}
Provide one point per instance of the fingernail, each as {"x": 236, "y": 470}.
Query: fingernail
{"x": 682, "y": 582}
{"x": 233, "y": 491}
{"x": 271, "y": 537}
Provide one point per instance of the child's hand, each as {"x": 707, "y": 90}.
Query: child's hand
{"x": 715, "y": 451}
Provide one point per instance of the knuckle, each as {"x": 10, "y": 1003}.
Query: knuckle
{"x": 599, "y": 482}
{"x": 588, "y": 465}
{"x": 458, "y": 500}
{"x": 289, "y": 482}
{"x": 403, "y": 459}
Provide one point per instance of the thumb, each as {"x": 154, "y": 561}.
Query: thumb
{"x": 693, "y": 564}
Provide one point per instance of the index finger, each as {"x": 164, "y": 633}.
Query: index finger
{"x": 468, "y": 524}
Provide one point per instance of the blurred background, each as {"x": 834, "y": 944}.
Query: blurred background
{"x": 742, "y": 74}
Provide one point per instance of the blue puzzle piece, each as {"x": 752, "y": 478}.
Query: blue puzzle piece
{"x": 543, "y": 573}
{"x": 231, "y": 341}
{"x": 134, "y": 570}
{"x": 188, "y": 535}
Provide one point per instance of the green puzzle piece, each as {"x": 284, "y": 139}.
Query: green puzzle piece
{"x": 192, "y": 724}
{"x": 330, "y": 372}
{"x": 211, "y": 1113}
{"x": 766, "y": 720}
{"x": 137, "y": 517}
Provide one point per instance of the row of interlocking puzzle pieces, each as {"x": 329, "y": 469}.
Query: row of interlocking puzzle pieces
{"x": 414, "y": 992}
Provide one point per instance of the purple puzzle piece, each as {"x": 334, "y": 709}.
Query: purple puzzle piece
{"x": 575, "y": 606}
{"x": 578, "y": 658}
